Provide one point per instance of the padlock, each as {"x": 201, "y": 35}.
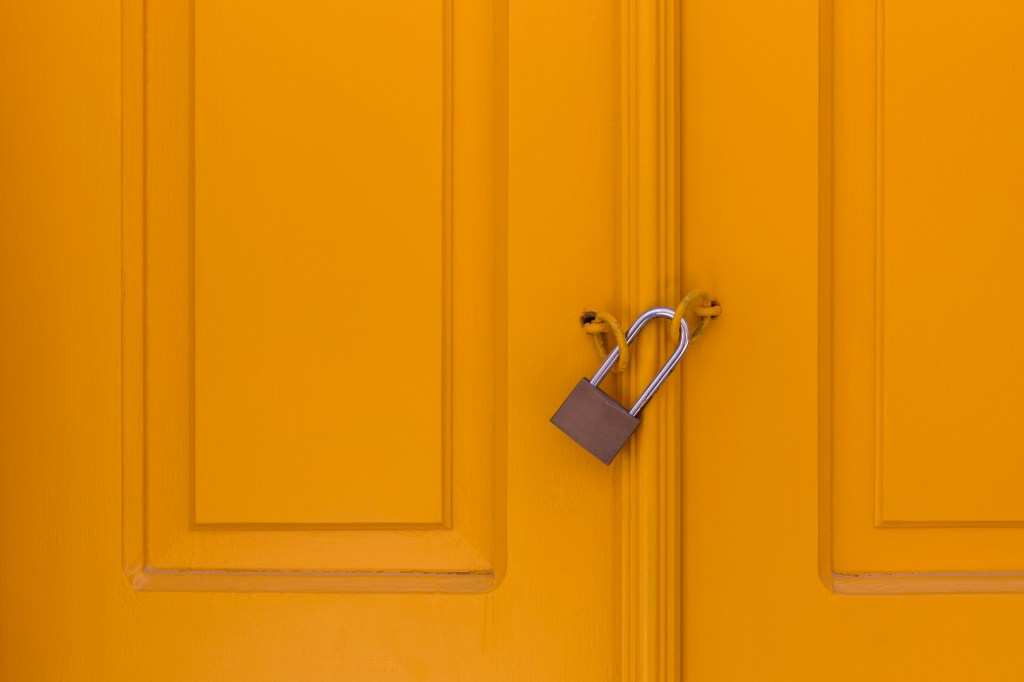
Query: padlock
{"x": 593, "y": 419}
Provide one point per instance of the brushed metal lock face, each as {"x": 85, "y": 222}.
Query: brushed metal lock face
{"x": 595, "y": 421}
{"x": 591, "y": 418}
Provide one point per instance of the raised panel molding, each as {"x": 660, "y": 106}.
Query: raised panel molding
{"x": 879, "y": 533}
{"x": 167, "y": 544}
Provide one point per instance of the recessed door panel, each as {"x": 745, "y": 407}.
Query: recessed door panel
{"x": 307, "y": 390}
{"x": 925, "y": 255}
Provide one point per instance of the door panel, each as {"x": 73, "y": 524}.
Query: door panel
{"x": 281, "y": 228}
{"x": 290, "y": 153}
{"x": 951, "y": 147}
{"x": 850, "y": 175}
{"x": 282, "y": 423}
{"x": 925, "y": 386}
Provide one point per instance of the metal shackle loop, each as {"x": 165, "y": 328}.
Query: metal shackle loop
{"x": 666, "y": 369}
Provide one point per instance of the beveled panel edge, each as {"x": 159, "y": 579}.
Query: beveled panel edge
{"x": 149, "y": 579}
{"x": 949, "y": 523}
{"x": 359, "y": 551}
{"x": 902, "y": 584}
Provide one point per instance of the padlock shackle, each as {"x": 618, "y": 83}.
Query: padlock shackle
{"x": 666, "y": 369}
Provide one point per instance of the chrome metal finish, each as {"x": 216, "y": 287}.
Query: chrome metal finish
{"x": 666, "y": 369}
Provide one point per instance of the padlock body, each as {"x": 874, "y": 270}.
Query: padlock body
{"x": 595, "y": 421}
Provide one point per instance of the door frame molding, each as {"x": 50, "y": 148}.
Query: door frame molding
{"x": 650, "y": 482}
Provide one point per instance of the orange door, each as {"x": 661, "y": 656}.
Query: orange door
{"x": 852, "y": 182}
{"x": 277, "y": 369}
{"x": 289, "y": 293}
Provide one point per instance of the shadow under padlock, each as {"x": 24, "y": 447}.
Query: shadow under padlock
{"x": 593, "y": 419}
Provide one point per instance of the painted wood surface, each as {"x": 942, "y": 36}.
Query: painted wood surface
{"x": 257, "y": 380}
{"x": 276, "y": 406}
{"x": 851, "y": 175}
{"x": 835, "y": 457}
